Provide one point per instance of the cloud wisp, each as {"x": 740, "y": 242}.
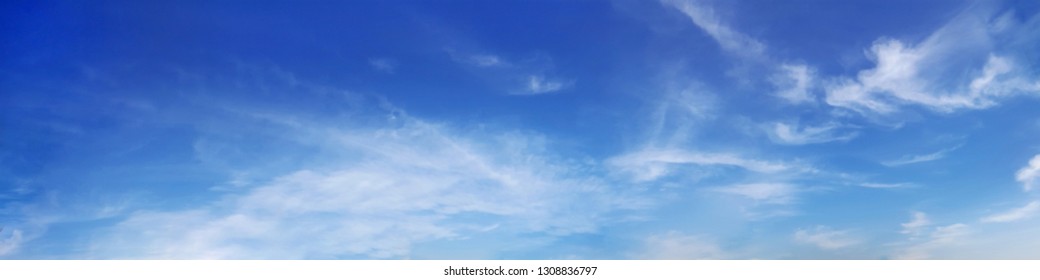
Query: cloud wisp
{"x": 916, "y": 225}
{"x": 795, "y": 83}
{"x": 764, "y": 193}
{"x": 393, "y": 187}
{"x": 1017, "y": 214}
{"x": 528, "y": 76}
{"x": 912, "y": 159}
{"x": 913, "y": 74}
{"x": 537, "y": 84}
{"x": 649, "y": 165}
{"x": 9, "y": 241}
{"x": 826, "y": 238}
{"x": 677, "y": 246}
{"x": 385, "y": 65}
{"x": 939, "y": 238}
{"x": 1029, "y": 174}
{"x": 792, "y": 134}
{"x": 730, "y": 40}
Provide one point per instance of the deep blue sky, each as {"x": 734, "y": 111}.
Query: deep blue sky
{"x": 519, "y": 129}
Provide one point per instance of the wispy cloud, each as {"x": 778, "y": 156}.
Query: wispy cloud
{"x": 385, "y": 65}
{"x": 651, "y": 164}
{"x": 1029, "y": 174}
{"x": 792, "y": 134}
{"x": 939, "y": 238}
{"x": 527, "y": 76}
{"x": 676, "y": 115}
{"x": 885, "y": 185}
{"x": 911, "y": 159}
{"x": 384, "y": 189}
{"x": 540, "y": 85}
{"x": 917, "y": 224}
{"x": 480, "y": 60}
{"x": 912, "y": 74}
{"x": 677, "y": 246}
{"x": 794, "y": 83}
{"x": 1016, "y": 214}
{"x": 826, "y": 238}
{"x": 766, "y": 193}
{"x": 730, "y": 40}
{"x": 10, "y": 240}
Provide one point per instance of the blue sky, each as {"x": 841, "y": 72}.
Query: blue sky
{"x": 520, "y": 130}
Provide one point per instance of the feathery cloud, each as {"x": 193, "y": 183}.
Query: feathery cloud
{"x": 939, "y": 238}
{"x": 677, "y": 246}
{"x": 530, "y": 76}
{"x": 885, "y": 185}
{"x": 1029, "y": 174}
{"x": 791, "y": 134}
{"x": 826, "y": 238}
{"x": 916, "y": 225}
{"x": 766, "y": 193}
{"x": 911, "y": 159}
{"x": 913, "y": 74}
{"x": 794, "y": 83}
{"x": 1016, "y": 214}
{"x": 386, "y": 189}
{"x": 651, "y": 164}
{"x": 539, "y": 85}
{"x": 730, "y": 40}
{"x": 10, "y": 241}
{"x": 385, "y": 65}
{"x": 478, "y": 60}
{"x": 484, "y": 60}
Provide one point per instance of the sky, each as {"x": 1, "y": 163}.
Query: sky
{"x": 673, "y": 129}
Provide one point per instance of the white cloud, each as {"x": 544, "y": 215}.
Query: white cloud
{"x": 484, "y": 60}
{"x": 825, "y": 238}
{"x": 531, "y": 75}
{"x": 677, "y": 246}
{"x": 917, "y": 224}
{"x": 1016, "y": 214}
{"x": 381, "y": 191}
{"x": 477, "y": 59}
{"x": 949, "y": 233}
{"x": 651, "y": 164}
{"x": 1029, "y": 174}
{"x": 729, "y": 39}
{"x": 671, "y": 122}
{"x": 9, "y": 242}
{"x": 911, "y": 159}
{"x": 384, "y": 65}
{"x": 885, "y": 185}
{"x": 928, "y": 74}
{"x": 940, "y": 238}
{"x": 791, "y": 134}
{"x": 678, "y": 112}
{"x": 538, "y": 85}
{"x": 766, "y": 193}
{"x": 794, "y": 83}
{"x": 957, "y": 67}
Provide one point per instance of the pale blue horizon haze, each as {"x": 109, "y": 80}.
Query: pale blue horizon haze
{"x": 674, "y": 129}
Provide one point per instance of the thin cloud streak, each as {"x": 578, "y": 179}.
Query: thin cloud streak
{"x": 792, "y": 134}
{"x": 1016, "y": 214}
{"x": 410, "y": 182}
{"x": 826, "y": 238}
{"x": 767, "y": 193}
{"x": 912, "y": 159}
{"x": 730, "y": 40}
